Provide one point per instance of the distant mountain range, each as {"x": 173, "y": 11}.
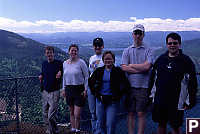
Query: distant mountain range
{"x": 20, "y": 56}
{"x": 112, "y": 39}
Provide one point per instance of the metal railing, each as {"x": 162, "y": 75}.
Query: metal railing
{"x": 21, "y": 107}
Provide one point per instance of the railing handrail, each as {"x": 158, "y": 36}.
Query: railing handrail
{"x": 14, "y": 78}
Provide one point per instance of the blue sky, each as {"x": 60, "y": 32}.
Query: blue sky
{"x": 98, "y": 15}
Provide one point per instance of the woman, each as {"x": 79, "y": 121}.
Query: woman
{"x": 75, "y": 82}
{"x": 108, "y": 84}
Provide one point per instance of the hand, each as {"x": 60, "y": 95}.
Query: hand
{"x": 40, "y": 78}
{"x": 150, "y": 101}
{"x": 58, "y": 75}
{"x": 84, "y": 93}
{"x": 97, "y": 62}
{"x": 69, "y": 61}
{"x": 63, "y": 94}
{"x": 187, "y": 107}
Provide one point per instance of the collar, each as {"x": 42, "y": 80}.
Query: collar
{"x": 180, "y": 53}
{"x": 133, "y": 45}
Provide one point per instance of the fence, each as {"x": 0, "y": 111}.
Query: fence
{"x": 21, "y": 109}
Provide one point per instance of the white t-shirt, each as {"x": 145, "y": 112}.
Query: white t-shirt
{"x": 95, "y": 62}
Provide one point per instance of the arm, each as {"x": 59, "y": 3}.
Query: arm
{"x": 92, "y": 81}
{"x": 40, "y": 78}
{"x": 63, "y": 94}
{"x": 192, "y": 84}
{"x": 126, "y": 61}
{"x": 151, "y": 80}
{"x": 85, "y": 74}
{"x": 129, "y": 69}
{"x": 141, "y": 67}
{"x": 125, "y": 85}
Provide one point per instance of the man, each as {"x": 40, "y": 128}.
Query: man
{"x": 50, "y": 79}
{"x": 94, "y": 62}
{"x": 137, "y": 61}
{"x": 170, "y": 98}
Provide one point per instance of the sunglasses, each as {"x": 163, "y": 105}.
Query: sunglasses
{"x": 98, "y": 45}
{"x": 138, "y": 32}
{"x": 170, "y": 43}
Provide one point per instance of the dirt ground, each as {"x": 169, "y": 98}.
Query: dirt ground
{"x": 28, "y": 128}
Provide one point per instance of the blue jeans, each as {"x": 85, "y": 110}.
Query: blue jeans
{"x": 92, "y": 108}
{"x": 106, "y": 117}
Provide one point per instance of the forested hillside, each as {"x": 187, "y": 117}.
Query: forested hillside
{"x": 21, "y": 56}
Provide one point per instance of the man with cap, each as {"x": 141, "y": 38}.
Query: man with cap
{"x": 137, "y": 61}
{"x": 94, "y": 62}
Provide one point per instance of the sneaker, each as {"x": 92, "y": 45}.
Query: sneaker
{"x": 73, "y": 130}
{"x": 47, "y": 131}
{"x": 77, "y": 131}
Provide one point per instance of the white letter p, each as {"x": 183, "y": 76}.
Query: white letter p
{"x": 193, "y": 124}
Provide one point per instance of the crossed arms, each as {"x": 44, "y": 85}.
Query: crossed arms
{"x": 136, "y": 68}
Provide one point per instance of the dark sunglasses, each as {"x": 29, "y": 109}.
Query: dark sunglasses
{"x": 138, "y": 32}
{"x": 170, "y": 43}
{"x": 98, "y": 45}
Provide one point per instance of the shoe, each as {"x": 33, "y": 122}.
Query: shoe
{"x": 47, "y": 131}
{"x": 77, "y": 131}
{"x": 73, "y": 130}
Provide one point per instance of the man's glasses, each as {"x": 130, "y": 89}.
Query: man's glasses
{"x": 170, "y": 43}
{"x": 138, "y": 32}
{"x": 98, "y": 45}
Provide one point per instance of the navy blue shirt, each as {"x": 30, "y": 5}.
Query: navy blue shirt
{"x": 49, "y": 70}
{"x": 169, "y": 73}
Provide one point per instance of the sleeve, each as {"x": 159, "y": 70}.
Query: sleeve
{"x": 192, "y": 83}
{"x": 125, "y": 57}
{"x": 85, "y": 73}
{"x": 125, "y": 85}
{"x": 92, "y": 82}
{"x": 152, "y": 78}
{"x": 61, "y": 68}
{"x": 63, "y": 82}
{"x": 42, "y": 70}
{"x": 150, "y": 56}
{"x": 90, "y": 65}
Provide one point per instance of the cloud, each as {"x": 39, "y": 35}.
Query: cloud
{"x": 151, "y": 24}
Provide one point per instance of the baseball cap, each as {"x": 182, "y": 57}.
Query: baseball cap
{"x": 98, "y": 42}
{"x": 138, "y": 27}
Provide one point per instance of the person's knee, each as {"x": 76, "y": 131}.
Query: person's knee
{"x": 131, "y": 114}
{"x": 162, "y": 124}
{"x": 141, "y": 114}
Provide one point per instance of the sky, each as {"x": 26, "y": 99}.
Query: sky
{"x": 49, "y": 16}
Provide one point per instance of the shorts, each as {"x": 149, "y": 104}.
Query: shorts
{"x": 174, "y": 117}
{"x": 137, "y": 99}
{"x": 74, "y": 95}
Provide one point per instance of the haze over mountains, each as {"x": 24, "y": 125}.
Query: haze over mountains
{"x": 113, "y": 39}
{"x": 21, "y": 56}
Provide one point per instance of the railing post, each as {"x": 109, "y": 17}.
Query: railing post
{"x": 16, "y": 104}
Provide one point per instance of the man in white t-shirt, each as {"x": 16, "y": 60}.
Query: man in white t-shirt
{"x": 94, "y": 62}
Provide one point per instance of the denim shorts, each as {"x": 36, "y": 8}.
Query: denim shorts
{"x": 137, "y": 99}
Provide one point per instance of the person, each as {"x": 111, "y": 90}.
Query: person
{"x": 137, "y": 60}
{"x": 75, "y": 83}
{"x": 107, "y": 84}
{"x": 169, "y": 71}
{"x": 50, "y": 79}
{"x": 94, "y": 62}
